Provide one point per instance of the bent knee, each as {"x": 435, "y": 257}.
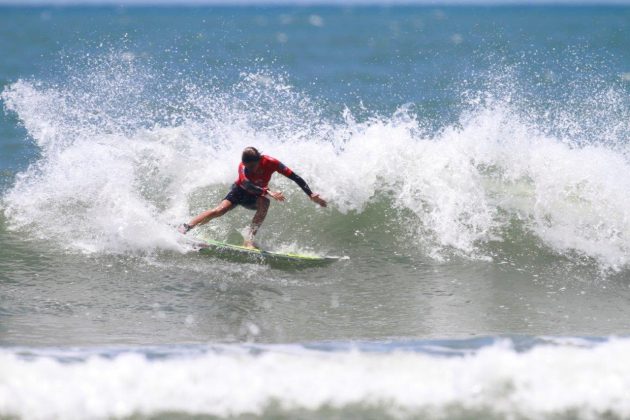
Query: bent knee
{"x": 221, "y": 210}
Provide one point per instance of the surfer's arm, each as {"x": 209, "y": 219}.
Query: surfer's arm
{"x": 246, "y": 184}
{"x": 298, "y": 180}
{"x": 286, "y": 171}
{"x": 252, "y": 188}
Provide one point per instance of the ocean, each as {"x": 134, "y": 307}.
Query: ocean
{"x": 476, "y": 161}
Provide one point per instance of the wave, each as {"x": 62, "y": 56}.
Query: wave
{"x": 122, "y": 161}
{"x": 443, "y": 379}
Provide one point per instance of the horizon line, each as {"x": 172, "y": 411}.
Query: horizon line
{"x": 307, "y": 3}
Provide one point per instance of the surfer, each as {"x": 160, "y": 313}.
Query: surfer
{"x": 250, "y": 191}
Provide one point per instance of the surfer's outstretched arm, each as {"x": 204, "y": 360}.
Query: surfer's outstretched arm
{"x": 313, "y": 196}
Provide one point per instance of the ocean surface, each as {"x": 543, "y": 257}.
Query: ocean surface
{"x": 476, "y": 161}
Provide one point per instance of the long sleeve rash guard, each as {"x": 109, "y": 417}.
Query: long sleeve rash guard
{"x": 255, "y": 182}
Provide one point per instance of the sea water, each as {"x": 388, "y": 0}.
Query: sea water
{"x": 476, "y": 165}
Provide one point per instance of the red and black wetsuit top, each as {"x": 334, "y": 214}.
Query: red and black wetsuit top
{"x": 255, "y": 182}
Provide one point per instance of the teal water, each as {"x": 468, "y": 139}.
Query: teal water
{"x": 476, "y": 164}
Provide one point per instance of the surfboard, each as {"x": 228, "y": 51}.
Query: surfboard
{"x": 232, "y": 251}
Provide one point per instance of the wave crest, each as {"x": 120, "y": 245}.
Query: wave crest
{"x": 115, "y": 181}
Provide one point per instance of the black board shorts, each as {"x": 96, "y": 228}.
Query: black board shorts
{"x": 239, "y": 197}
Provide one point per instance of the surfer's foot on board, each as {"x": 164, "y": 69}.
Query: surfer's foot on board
{"x": 249, "y": 244}
{"x": 184, "y": 228}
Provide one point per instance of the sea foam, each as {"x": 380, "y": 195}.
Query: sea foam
{"x": 111, "y": 182}
{"x": 546, "y": 380}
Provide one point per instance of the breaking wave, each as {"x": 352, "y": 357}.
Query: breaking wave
{"x": 458, "y": 379}
{"x": 125, "y": 155}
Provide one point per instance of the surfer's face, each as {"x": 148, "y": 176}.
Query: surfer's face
{"x": 251, "y": 166}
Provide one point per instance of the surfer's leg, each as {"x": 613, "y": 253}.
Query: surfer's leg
{"x": 208, "y": 215}
{"x": 262, "y": 205}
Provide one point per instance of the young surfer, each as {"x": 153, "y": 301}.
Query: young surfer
{"x": 250, "y": 191}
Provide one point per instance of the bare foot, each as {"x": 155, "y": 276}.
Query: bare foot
{"x": 249, "y": 244}
{"x": 184, "y": 228}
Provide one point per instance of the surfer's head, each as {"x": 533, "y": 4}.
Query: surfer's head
{"x": 251, "y": 157}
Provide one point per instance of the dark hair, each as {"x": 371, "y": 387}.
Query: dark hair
{"x": 250, "y": 154}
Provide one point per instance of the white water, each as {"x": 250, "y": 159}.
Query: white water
{"x": 114, "y": 184}
{"x": 543, "y": 381}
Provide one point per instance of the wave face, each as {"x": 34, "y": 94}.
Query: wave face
{"x": 124, "y": 158}
{"x": 489, "y": 378}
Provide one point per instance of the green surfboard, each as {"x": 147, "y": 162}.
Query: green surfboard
{"x": 236, "y": 252}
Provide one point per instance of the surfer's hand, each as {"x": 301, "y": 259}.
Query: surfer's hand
{"x": 276, "y": 195}
{"x": 317, "y": 199}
